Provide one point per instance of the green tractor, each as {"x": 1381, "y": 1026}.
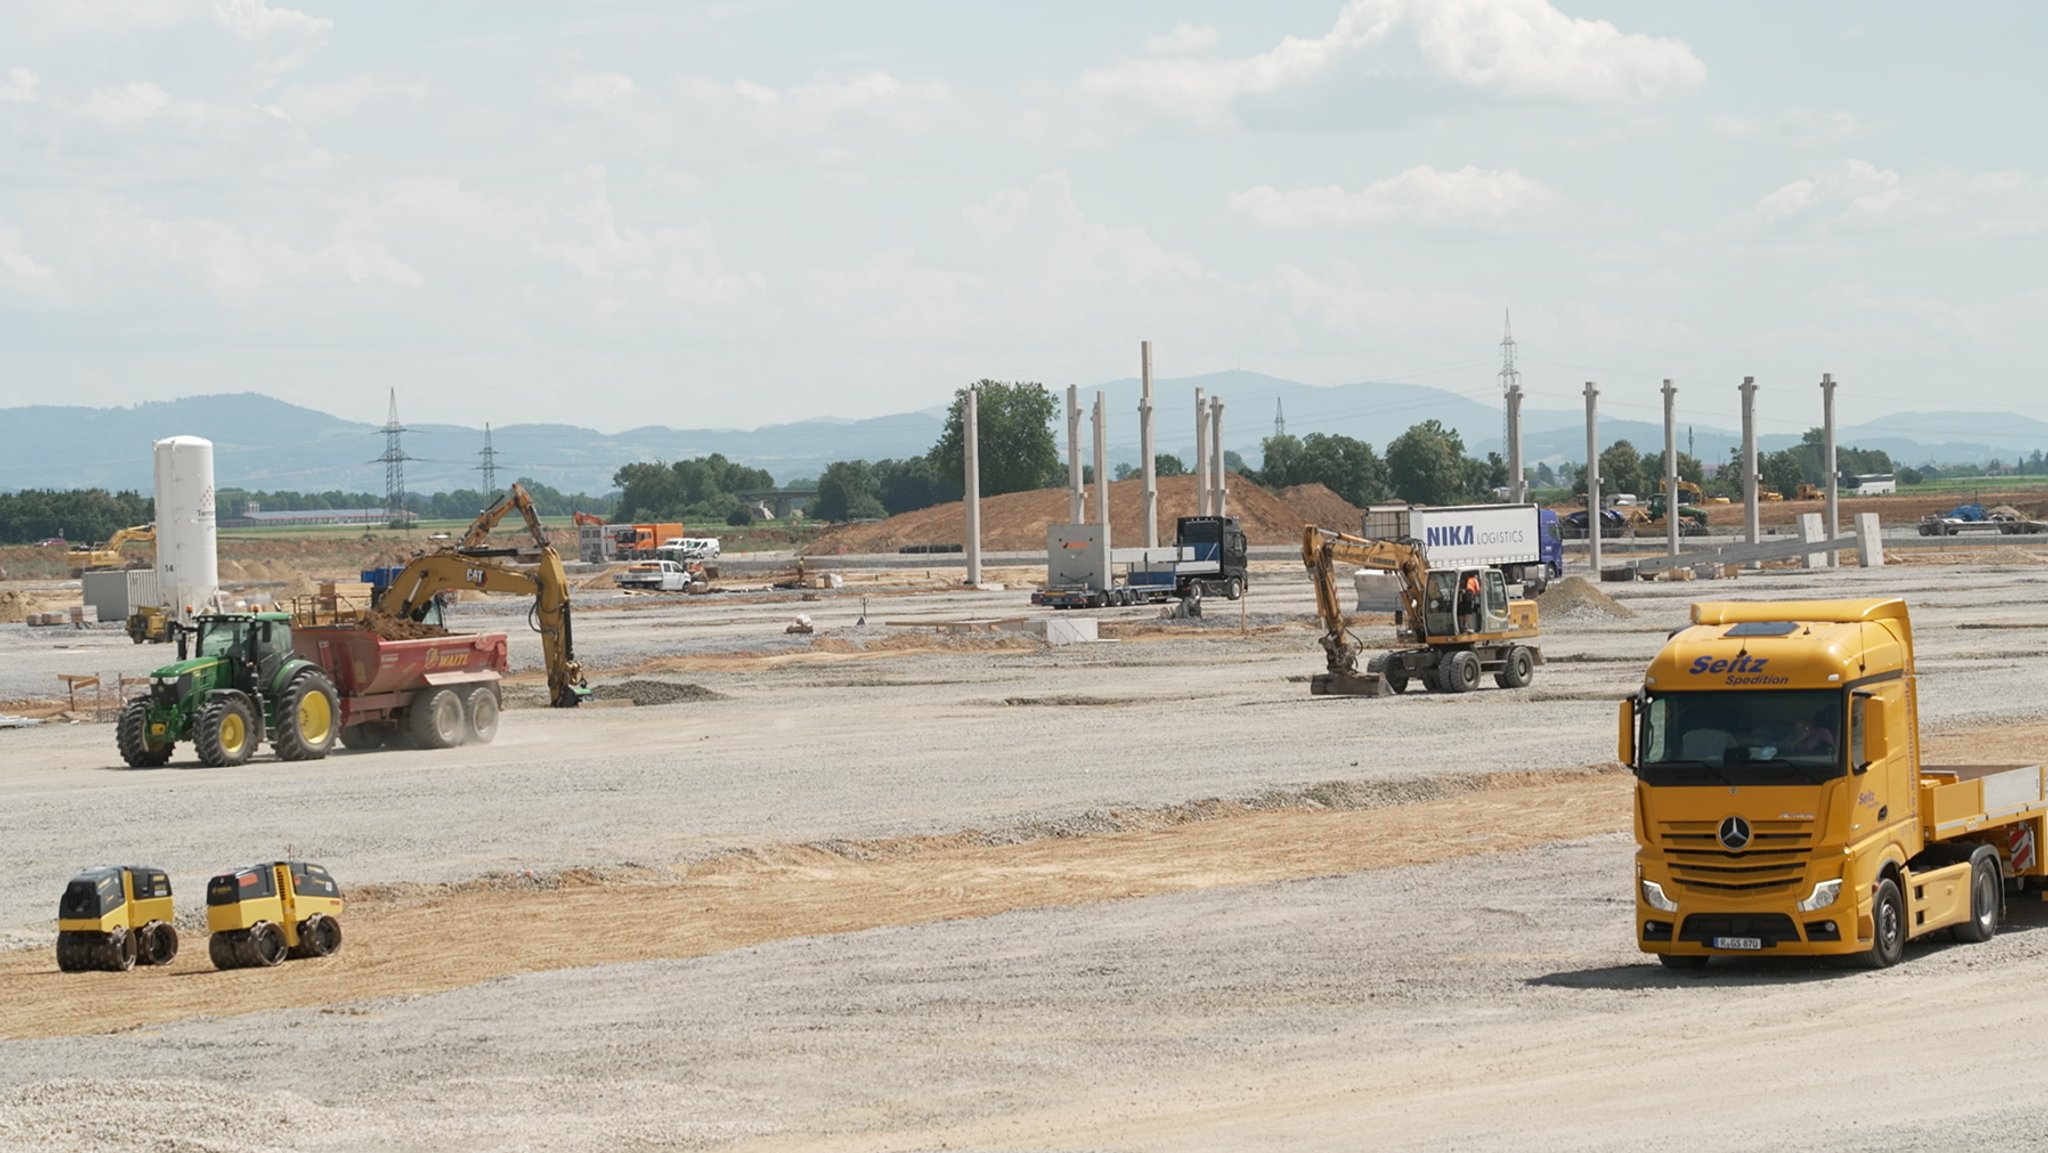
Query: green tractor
{"x": 241, "y": 684}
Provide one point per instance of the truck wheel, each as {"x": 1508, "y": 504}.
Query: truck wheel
{"x": 305, "y": 718}
{"x": 435, "y": 719}
{"x": 220, "y": 948}
{"x": 265, "y": 946}
{"x": 1887, "y": 928}
{"x": 1461, "y": 671}
{"x": 224, "y": 733}
{"x": 365, "y": 737}
{"x": 131, "y": 736}
{"x": 1517, "y": 670}
{"x": 1987, "y": 894}
{"x": 480, "y": 708}
{"x": 1233, "y": 589}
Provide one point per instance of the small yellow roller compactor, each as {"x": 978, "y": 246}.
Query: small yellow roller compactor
{"x": 115, "y": 918}
{"x": 262, "y": 914}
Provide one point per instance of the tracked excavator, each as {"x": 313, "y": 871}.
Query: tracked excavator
{"x": 99, "y": 558}
{"x": 529, "y": 570}
{"x": 1455, "y": 625}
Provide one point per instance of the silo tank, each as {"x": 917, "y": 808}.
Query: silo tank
{"x": 187, "y": 561}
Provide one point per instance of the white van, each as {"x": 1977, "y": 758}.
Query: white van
{"x": 682, "y": 548}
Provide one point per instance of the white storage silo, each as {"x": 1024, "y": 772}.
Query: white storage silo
{"x": 187, "y": 564}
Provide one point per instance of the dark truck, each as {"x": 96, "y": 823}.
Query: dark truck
{"x": 1207, "y": 559}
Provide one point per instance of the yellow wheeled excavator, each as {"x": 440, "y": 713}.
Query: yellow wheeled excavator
{"x": 534, "y": 571}
{"x": 1455, "y": 624}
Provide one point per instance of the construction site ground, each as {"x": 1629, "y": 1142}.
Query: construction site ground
{"x": 920, "y": 883}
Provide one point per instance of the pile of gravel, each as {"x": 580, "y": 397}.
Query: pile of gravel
{"x": 649, "y": 692}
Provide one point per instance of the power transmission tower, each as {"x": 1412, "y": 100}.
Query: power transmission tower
{"x": 1279, "y": 419}
{"x": 1511, "y": 412}
{"x": 394, "y": 459}
{"x": 490, "y": 465}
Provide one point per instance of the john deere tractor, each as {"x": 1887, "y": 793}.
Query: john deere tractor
{"x": 241, "y": 684}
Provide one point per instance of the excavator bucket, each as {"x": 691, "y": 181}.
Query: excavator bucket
{"x": 1349, "y": 685}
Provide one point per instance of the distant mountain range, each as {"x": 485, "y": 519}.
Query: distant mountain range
{"x": 264, "y": 443}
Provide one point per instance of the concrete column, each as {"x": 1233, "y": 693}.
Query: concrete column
{"x": 1147, "y": 470}
{"x": 1670, "y": 467}
{"x": 1517, "y": 490}
{"x": 1201, "y": 455}
{"x": 1218, "y": 475}
{"x": 1593, "y": 478}
{"x": 1827, "y": 425}
{"x": 1869, "y": 544}
{"x": 1751, "y": 529}
{"x": 1102, "y": 567}
{"x": 1809, "y": 531}
{"x": 1077, "y": 508}
{"x": 972, "y": 437}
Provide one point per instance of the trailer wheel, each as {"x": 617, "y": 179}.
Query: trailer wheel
{"x": 1987, "y": 895}
{"x": 224, "y": 733}
{"x": 435, "y": 719}
{"x": 365, "y": 737}
{"x": 1887, "y": 928}
{"x": 305, "y": 718}
{"x": 1461, "y": 671}
{"x": 480, "y": 707}
{"x": 1516, "y": 670}
{"x": 131, "y": 736}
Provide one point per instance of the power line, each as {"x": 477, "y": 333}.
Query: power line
{"x": 490, "y": 465}
{"x": 394, "y": 459}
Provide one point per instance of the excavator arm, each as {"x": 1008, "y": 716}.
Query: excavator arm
{"x": 1322, "y": 550}
{"x": 515, "y": 497}
{"x": 547, "y": 583}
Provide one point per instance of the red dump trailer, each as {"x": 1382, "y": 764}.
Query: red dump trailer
{"x": 430, "y": 692}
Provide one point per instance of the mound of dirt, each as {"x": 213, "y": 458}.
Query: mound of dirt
{"x": 1016, "y": 522}
{"x": 393, "y": 628}
{"x": 648, "y": 692}
{"x": 1576, "y": 598}
{"x": 15, "y": 606}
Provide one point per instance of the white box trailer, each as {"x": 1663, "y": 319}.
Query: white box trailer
{"x": 1521, "y": 540}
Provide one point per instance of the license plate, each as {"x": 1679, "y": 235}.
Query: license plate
{"x": 1738, "y": 942}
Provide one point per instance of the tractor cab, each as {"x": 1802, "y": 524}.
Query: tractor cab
{"x": 261, "y": 639}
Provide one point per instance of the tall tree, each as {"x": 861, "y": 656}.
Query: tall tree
{"x": 849, "y": 490}
{"x": 1018, "y": 451}
{"x": 1426, "y": 464}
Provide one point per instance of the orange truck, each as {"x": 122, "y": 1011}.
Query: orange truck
{"x": 638, "y": 541}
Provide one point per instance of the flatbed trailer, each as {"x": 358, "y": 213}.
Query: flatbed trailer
{"x": 1209, "y": 559}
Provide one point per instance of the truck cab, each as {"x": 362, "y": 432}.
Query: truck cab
{"x": 1780, "y": 804}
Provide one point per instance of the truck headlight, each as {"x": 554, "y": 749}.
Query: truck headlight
{"x": 1654, "y": 894}
{"x": 1823, "y": 895}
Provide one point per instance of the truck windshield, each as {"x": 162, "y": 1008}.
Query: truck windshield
{"x": 1742, "y": 738}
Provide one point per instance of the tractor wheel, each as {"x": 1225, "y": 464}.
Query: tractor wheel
{"x": 1461, "y": 671}
{"x": 480, "y": 709}
{"x": 306, "y": 718}
{"x": 223, "y": 949}
{"x": 131, "y": 736}
{"x": 363, "y": 738}
{"x": 1517, "y": 669}
{"x": 435, "y": 719}
{"x": 225, "y": 732}
{"x": 265, "y": 946}
{"x": 159, "y": 945}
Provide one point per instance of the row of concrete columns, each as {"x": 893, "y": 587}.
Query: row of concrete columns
{"x": 1751, "y": 477}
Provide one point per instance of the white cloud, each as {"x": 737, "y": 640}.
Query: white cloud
{"x": 822, "y": 106}
{"x": 1940, "y": 204}
{"x": 344, "y": 98}
{"x": 126, "y": 106}
{"x": 1511, "y": 49}
{"x": 18, "y": 267}
{"x": 1185, "y": 40}
{"x": 595, "y": 91}
{"x": 638, "y": 271}
{"x": 20, "y": 87}
{"x": 1799, "y": 125}
{"x": 289, "y": 38}
{"x": 1424, "y": 197}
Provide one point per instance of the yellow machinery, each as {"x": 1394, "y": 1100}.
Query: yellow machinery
{"x": 109, "y": 556}
{"x": 115, "y": 918}
{"x": 150, "y": 624}
{"x": 1457, "y": 624}
{"x": 262, "y": 914}
{"x": 1781, "y": 806}
{"x": 534, "y": 571}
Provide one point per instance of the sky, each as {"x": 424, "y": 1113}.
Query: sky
{"x": 726, "y": 214}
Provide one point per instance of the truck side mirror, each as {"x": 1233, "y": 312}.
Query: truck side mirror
{"x": 1625, "y": 746}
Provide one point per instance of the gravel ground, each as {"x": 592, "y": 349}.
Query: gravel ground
{"x": 1393, "y": 1004}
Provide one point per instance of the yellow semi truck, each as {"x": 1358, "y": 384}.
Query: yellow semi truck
{"x": 1780, "y": 803}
